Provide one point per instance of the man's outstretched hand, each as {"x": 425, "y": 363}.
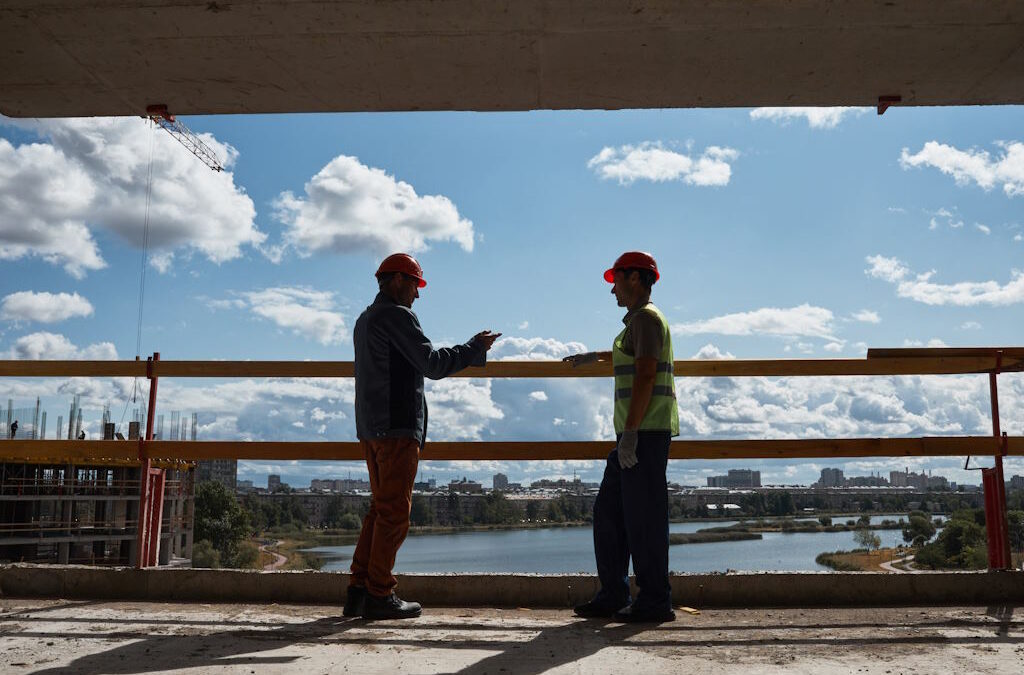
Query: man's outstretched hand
{"x": 577, "y": 360}
{"x": 487, "y": 338}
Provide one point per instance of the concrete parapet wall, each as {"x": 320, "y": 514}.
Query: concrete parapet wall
{"x": 767, "y": 589}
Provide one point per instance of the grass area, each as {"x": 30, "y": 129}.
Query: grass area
{"x": 711, "y": 536}
{"x": 859, "y": 560}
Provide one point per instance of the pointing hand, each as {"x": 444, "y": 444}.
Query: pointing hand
{"x": 577, "y": 360}
{"x": 486, "y": 338}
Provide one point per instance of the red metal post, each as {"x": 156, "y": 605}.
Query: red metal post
{"x": 156, "y": 512}
{"x": 996, "y": 528}
{"x": 144, "y": 529}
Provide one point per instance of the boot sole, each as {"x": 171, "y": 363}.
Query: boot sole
{"x": 384, "y": 617}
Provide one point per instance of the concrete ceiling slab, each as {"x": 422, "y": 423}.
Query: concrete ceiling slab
{"x": 115, "y": 57}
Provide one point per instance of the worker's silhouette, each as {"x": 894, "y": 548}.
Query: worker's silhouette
{"x": 14, "y": 428}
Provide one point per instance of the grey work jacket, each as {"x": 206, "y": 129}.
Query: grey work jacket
{"x": 392, "y": 357}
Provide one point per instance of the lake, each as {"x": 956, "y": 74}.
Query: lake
{"x": 562, "y": 550}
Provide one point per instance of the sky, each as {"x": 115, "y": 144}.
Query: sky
{"x": 779, "y": 233}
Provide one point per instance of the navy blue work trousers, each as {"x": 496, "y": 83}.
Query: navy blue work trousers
{"x": 631, "y": 520}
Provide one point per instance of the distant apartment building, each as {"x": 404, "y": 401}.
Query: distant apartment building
{"x": 1017, "y": 483}
{"x": 575, "y": 485}
{"x": 428, "y": 485}
{"x": 865, "y": 481}
{"x": 244, "y": 486}
{"x": 223, "y": 471}
{"x": 500, "y": 482}
{"x": 339, "y": 485}
{"x": 465, "y": 486}
{"x": 831, "y": 478}
{"x": 736, "y": 478}
{"x": 273, "y": 482}
{"x": 911, "y": 479}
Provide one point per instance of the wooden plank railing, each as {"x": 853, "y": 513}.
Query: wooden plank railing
{"x": 937, "y": 361}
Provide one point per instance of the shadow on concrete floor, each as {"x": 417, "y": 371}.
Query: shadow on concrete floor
{"x": 169, "y": 652}
{"x": 546, "y": 646}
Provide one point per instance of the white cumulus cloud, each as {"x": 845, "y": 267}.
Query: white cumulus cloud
{"x": 533, "y": 349}
{"x": 802, "y": 321}
{"x": 94, "y": 172}
{"x": 867, "y": 316}
{"x": 973, "y": 165}
{"x": 817, "y": 118}
{"x": 53, "y": 346}
{"x": 305, "y": 311}
{"x": 44, "y": 307}
{"x": 921, "y": 288}
{"x": 350, "y": 207}
{"x": 538, "y": 396}
{"x": 654, "y": 162}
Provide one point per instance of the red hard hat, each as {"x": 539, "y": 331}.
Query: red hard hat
{"x": 633, "y": 260}
{"x": 404, "y": 263}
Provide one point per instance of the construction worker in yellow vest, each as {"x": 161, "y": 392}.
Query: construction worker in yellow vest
{"x": 631, "y": 510}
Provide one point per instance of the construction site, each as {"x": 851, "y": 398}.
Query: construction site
{"x": 67, "y": 510}
{"x": 100, "y": 586}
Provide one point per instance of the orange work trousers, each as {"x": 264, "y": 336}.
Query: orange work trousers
{"x": 392, "y": 464}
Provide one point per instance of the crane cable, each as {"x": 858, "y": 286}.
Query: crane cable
{"x": 142, "y": 272}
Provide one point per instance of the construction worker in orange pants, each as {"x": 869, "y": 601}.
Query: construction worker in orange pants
{"x": 631, "y": 510}
{"x": 392, "y": 355}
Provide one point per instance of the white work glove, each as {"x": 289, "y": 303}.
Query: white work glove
{"x": 581, "y": 359}
{"x": 627, "y": 449}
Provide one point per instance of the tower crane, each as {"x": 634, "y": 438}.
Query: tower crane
{"x": 160, "y": 115}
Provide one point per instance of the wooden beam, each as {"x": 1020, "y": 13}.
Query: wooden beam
{"x": 1009, "y": 353}
{"x": 928, "y": 446}
{"x": 72, "y": 368}
{"x": 911, "y": 365}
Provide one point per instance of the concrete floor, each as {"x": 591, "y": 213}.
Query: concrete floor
{"x": 55, "y": 636}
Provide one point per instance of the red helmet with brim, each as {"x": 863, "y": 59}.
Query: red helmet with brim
{"x": 404, "y": 263}
{"x": 632, "y": 260}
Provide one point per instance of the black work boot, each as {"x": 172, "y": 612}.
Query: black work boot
{"x": 597, "y": 609}
{"x": 355, "y": 601}
{"x": 390, "y": 607}
{"x": 634, "y": 614}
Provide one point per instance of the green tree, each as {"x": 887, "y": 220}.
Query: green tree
{"x": 534, "y": 509}
{"x": 422, "y": 513}
{"x": 825, "y": 521}
{"x": 919, "y": 528}
{"x": 204, "y": 554}
{"x": 220, "y": 520}
{"x": 350, "y": 521}
{"x": 247, "y": 556}
{"x": 865, "y": 538}
{"x": 961, "y": 544}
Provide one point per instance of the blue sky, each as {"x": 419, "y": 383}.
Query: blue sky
{"x": 779, "y": 233}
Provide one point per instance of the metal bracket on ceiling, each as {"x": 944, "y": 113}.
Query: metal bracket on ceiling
{"x": 885, "y": 101}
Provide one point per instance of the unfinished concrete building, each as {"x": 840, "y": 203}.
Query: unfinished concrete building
{"x": 56, "y": 512}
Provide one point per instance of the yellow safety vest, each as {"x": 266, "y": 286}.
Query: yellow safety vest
{"x": 662, "y": 413}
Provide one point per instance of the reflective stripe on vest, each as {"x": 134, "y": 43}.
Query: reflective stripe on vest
{"x": 662, "y": 413}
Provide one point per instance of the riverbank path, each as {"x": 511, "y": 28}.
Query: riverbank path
{"x": 279, "y": 560}
{"x": 891, "y": 565}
